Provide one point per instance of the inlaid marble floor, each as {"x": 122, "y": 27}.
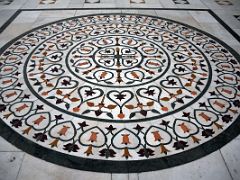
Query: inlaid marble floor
{"x": 123, "y": 94}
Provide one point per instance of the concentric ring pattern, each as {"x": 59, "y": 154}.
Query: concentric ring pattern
{"x": 133, "y": 92}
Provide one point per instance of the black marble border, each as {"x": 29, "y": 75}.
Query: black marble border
{"x": 127, "y": 166}
{"x": 9, "y": 21}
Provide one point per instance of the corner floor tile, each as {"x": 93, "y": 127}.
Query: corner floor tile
{"x": 6, "y": 146}
{"x": 209, "y": 167}
{"x": 37, "y": 169}
{"x": 133, "y": 176}
{"x": 119, "y": 177}
{"x": 10, "y": 163}
{"x": 231, "y": 156}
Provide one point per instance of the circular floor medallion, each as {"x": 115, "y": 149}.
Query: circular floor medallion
{"x": 119, "y": 93}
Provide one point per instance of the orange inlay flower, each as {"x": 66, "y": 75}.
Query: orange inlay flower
{"x": 63, "y": 131}
{"x": 157, "y": 136}
{"x": 125, "y": 139}
{"x": 93, "y": 137}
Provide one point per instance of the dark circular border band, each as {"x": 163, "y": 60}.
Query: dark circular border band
{"x": 121, "y": 166}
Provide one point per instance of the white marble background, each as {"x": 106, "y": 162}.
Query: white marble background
{"x": 223, "y": 164}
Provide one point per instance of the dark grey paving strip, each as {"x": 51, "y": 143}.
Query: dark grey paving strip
{"x": 10, "y": 20}
{"x": 5, "y": 14}
{"x": 232, "y": 32}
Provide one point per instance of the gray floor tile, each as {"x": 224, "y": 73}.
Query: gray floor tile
{"x": 203, "y": 17}
{"x": 228, "y": 17}
{"x": 119, "y": 177}
{"x": 193, "y": 4}
{"x": 148, "y": 12}
{"x": 237, "y": 31}
{"x": 44, "y": 170}
{"x": 6, "y": 146}
{"x": 133, "y": 176}
{"x": 180, "y": 16}
{"x": 10, "y": 163}
{"x": 209, "y": 167}
{"x": 231, "y": 156}
{"x": 5, "y": 14}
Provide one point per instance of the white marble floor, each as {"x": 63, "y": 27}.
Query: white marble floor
{"x": 223, "y": 164}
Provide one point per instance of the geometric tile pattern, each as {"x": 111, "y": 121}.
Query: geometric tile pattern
{"x": 224, "y": 2}
{"x": 181, "y": 2}
{"x": 47, "y": 1}
{"x": 5, "y": 2}
{"x": 119, "y": 88}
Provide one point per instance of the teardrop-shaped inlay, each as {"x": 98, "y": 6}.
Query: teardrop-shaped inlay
{"x": 228, "y": 78}
{"x": 11, "y": 95}
{"x": 39, "y": 121}
{"x": 7, "y": 70}
{"x": 205, "y": 117}
{"x": 156, "y": 136}
{"x": 125, "y": 138}
{"x": 227, "y": 91}
{"x": 184, "y": 129}
{"x": 93, "y": 136}
{"x": 21, "y": 109}
{"x": 219, "y": 105}
{"x": 64, "y": 131}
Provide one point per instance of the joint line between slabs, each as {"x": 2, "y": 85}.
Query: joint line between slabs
{"x": 229, "y": 172}
{"x": 20, "y": 166}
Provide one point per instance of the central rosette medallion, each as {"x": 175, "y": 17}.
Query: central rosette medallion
{"x": 121, "y": 61}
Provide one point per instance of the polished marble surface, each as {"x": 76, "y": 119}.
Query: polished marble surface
{"x": 222, "y": 164}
